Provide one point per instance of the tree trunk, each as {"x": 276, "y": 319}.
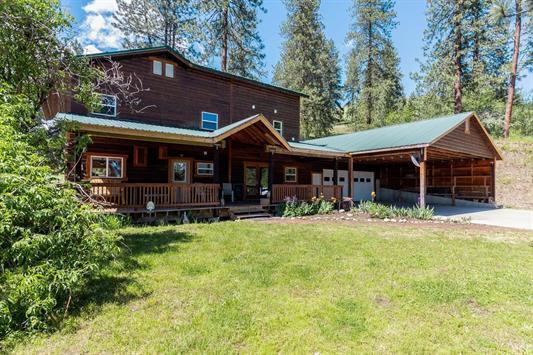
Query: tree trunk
{"x": 457, "y": 57}
{"x": 514, "y": 65}
{"x": 225, "y": 29}
{"x": 369, "y": 85}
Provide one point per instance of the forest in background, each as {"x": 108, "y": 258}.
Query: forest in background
{"x": 474, "y": 52}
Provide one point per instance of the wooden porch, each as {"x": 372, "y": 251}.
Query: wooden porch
{"x": 172, "y": 195}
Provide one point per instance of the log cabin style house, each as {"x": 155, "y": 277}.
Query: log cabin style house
{"x": 208, "y": 138}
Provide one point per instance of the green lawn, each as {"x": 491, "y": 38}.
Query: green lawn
{"x": 256, "y": 288}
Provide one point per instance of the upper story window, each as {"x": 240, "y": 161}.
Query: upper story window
{"x": 209, "y": 121}
{"x": 169, "y": 70}
{"x": 108, "y": 105}
{"x": 278, "y": 126}
{"x": 107, "y": 167}
{"x": 158, "y": 67}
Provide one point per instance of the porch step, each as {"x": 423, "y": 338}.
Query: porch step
{"x": 248, "y": 212}
{"x": 251, "y": 216}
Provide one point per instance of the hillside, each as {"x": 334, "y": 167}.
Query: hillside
{"x": 514, "y": 175}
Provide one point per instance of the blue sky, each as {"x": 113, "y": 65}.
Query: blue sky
{"x": 93, "y": 18}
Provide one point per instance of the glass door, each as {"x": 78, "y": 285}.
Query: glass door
{"x": 255, "y": 180}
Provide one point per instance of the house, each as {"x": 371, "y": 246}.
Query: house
{"x": 207, "y": 135}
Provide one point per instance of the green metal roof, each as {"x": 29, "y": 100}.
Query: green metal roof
{"x": 411, "y": 134}
{"x": 395, "y": 136}
{"x": 192, "y": 65}
{"x": 144, "y": 127}
{"x": 303, "y": 145}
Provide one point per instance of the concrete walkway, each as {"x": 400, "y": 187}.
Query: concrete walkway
{"x": 502, "y": 217}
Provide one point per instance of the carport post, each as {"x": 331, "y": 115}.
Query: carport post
{"x": 423, "y": 158}
{"x": 350, "y": 177}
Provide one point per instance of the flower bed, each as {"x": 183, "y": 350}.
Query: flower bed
{"x": 291, "y": 207}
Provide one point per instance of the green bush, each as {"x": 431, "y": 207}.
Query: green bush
{"x": 378, "y": 210}
{"x": 51, "y": 244}
{"x": 291, "y": 207}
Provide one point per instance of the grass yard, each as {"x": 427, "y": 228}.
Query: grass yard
{"x": 306, "y": 288}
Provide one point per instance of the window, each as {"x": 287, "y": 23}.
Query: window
{"x": 327, "y": 179}
{"x": 169, "y": 70}
{"x": 108, "y": 105}
{"x": 180, "y": 171}
{"x": 291, "y": 174}
{"x": 341, "y": 179}
{"x": 158, "y": 67}
{"x": 204, "y": 168}
{"x": 106, "y": 167}
{"x": 140, "y": 156}
{"x": 367, "y": 179}
{"x": 209, "y": 121}
{"x": 278, "y": 126}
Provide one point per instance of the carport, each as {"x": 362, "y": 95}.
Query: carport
{"x": 446, "y": 160}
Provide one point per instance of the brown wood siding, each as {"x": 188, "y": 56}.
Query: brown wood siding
{"x": 475, "y": 143}
{"x": 179, "y": 101}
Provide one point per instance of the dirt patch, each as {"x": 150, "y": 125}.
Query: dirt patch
{"x": 514, "y": 175}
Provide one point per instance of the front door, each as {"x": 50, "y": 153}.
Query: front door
{"x": 179, "y": 171}
{"x": 255, "y": 180}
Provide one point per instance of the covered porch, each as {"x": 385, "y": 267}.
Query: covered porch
{"x": 246, "y": 162}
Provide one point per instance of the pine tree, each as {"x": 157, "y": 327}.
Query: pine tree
{"x": 466, "y": 55}
{"x": 149, "y": 23}
{"x": 230, "y": 32}
{"x": 373, "y": 77}
{"x": 310, "y": 63}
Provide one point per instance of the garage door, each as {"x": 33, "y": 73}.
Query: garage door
{"x": 363, "y": 185}
{"x": 342, "y": 176}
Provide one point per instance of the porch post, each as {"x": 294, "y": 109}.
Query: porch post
{"x": 423, "y": 158}
{"x": 271, "y": 174}
{"x": 216, "y": 165}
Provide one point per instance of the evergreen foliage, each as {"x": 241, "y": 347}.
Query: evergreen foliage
{"x": 310, "y": 63}
{"x": 373, "y": 79}
{"x": 149, "y": 23}
{"x": 230, "y": 32}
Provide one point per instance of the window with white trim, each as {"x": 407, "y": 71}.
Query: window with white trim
{"x": 108, "y": 105}
{"x": 157, "y": 67}
{"x": 106, "y": 167}
{"x": 204, "y": 168}
{"x": 169, "y": 70}
{"x": 278, "y": 126}
{"x": 209, "y": 121}
{"x": 291, "y": 174}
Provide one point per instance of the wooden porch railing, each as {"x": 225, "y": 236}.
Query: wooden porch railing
{"x": 305, "y": 192}
{"x": 137, "y": 195}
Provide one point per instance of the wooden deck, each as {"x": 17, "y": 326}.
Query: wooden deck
{"x": 135, "y": 196}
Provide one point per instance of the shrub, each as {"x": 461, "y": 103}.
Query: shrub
{"x": 291, "y": 207}
{"x": 51, "y": 244}
{"x": 378, "y": 210}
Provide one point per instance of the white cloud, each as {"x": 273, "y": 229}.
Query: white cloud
{"x": 91, "y": 49}
{"x": 97, "y": 32}
{"x": 101, "y": 6}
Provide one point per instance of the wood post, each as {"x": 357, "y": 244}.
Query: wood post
{"x": 423, "y": 158}
{"x": 350, "y": 177}
{"x": 493, "y": 179}
{"x": 271, "y": 174}
{"x": 230, "y": 151}
{"x": 216, "y": 165}
{"x": 335, "y": 171}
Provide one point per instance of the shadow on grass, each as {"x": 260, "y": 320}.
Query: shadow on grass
{"x": 118, "y": 284}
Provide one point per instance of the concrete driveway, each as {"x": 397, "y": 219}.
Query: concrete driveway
{"x": 502, "y": 217}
